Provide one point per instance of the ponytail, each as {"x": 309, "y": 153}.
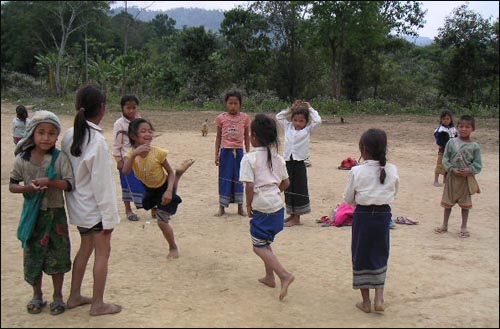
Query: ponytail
{"x": 79, "y": 127}
{"x": 382, "y": 161}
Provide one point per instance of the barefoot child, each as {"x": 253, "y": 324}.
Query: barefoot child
{"x": 149, "y": 164}
{"x": 92, "y": 205}
{"x": 264, "y": 172}
{"x": 372, "y": 186}
{"x": 132, "y": 188}
{"x": 232, "y": 133}
{"x": 19, "y": 123}
{"x": 298, "y": 122}
{"x": 461, "y": 158}
{"x": 45, "y": 173}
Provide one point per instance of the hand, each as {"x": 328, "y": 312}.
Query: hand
{"x": 41, "y": 183}
{"x": 217, "y": 161}
{"x": 296, "y": 104}
{"x": 142, "y": 150}
{"x": 166, "y": 197}
{"x": 308, "y": 104}
{"x": 119, "y": 165}
{"x": 249, "y": 212}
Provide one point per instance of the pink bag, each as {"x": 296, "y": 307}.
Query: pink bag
{"x": 343, "y": 214}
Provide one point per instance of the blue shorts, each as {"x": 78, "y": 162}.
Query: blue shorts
{"x": 264, "y": 227}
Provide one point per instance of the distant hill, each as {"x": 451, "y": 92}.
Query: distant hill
{"x": 190, "y": 17}
{"x": 210, "y": 19}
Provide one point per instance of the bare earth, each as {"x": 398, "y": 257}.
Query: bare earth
{"x": 433, "y": 280}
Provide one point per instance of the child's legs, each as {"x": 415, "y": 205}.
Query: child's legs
{"x": 80, "y": 265}
{"x": 57, "y": 282}
{"x": 37, "y": 289}
{"x": 465, "y": 218}
{"x": 168, "y": 233}
{"x": 271, "y": 261}
{"x": 446, "y": 217}
{"x": 365, "y": 294}
{"x": 102, "y": 243}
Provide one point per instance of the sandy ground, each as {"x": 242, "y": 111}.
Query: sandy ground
{"x": 432, "y": 281}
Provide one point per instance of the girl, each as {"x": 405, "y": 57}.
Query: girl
{"x": 264, "y": 173}
{"x": 232, "y": 132}
{"x": 19, "y": 123}
{"x": 92, "y": 205}
{"x": 372, "y": 186}
{"x": 132, "y": 188}
{"x": 442, "y": 134}
{"x": 149, "y": 164}
{"x": 298, "y": 123}
{"x": 45, "y": 173}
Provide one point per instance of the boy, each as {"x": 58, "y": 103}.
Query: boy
{"x": 461, "y": 158}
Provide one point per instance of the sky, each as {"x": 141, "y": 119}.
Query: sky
{"x": 437, "y": 11}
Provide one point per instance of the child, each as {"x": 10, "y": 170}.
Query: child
{"x": 232, "y": 132}
{"x": 442, "y": 134}
{"x": 461, "y": 158}
{"x": 132, "y": 188}
{"x": 45, "y": 173}
{"x": 298, "y": 123}
{"x": 372, "y": 186}
{"x": 149, "y": 164}
{"x": 19, "y": 123}
{"x": 264, "y": 173}
{"x": 92, "y": 205}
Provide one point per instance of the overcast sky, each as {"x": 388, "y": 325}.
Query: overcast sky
{"x": 436, "y": 10}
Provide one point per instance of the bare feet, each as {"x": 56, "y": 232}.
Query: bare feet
{"x": 77, "y": 301}
{"x": 365, "y": 307}
{"x": 292, "y": 222}
{"x": 105, "y": 309}
{"x": 288, "y": 219}
{"x": 242, "y": 212}
{"x": 183, "y": 167}
{"x": 221, "y": 212}
{"x": 173, "y": 253}
{"x": 268, "y": 281}
{"x": 437, "y": 184}
{"x": 284, "y": 285}
{"x": 379, "y": 306}
{"x": 440, "y": 230}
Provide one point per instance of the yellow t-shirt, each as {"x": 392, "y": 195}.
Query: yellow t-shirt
{"x": 149, "y": 170}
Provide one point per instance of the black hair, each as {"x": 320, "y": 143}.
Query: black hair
{"x": 374, "y": 142}
{"x": 264, "y": 129}
{"x": 232, "y": 93}
{"x": 21, "y": 113}
{"x": 468, "y": 118}
{"x": 302, "y": 109}
{"x": 89, "y": 100}
{"x": 446, "y": 113}
{"x": 133, "y": 129}
{"x": 128, "y": 98}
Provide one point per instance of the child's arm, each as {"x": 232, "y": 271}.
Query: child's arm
{"x": 247, "y": 139}
{"x": 18, "y": 188}
{"x": 350, "y": 192}
{"x": 249, "y": 197}
{"x": 284, "y": 184}
{"x": 315, "y": 117}
{"x": 141, "y": 150}
{"x": 117, "y": 145}
{"x": 218, "y": 139}
{"x": 45, "y": 182}
{"x": 168, "y": 194}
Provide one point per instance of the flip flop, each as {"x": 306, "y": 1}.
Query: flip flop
{"x": 57, "y": 307}
{"x": 35, "y": 306}
{"x": 133, "y": 217}
{"x": 465, "y": 234}
{"x": 405, "y": 220}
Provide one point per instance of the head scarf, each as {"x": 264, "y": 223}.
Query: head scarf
{"x": 38, "y": 117}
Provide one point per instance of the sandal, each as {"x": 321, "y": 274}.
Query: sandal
{"x": 35, "y": 306}
{"x": 406, "y": 220}
{"x": 464, "y": 234}
{"x": 133, "y": 217}
{"x": 57, "y": 307}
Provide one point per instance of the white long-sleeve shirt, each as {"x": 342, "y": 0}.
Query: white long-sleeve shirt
{"x": 364, "y": 187}
{"x": 297, "y": 141}
{"x": 93, "y": 198}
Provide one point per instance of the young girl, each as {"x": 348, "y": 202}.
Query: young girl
{"x": 298, "y": 122}
{"x": 45, "y": 173}
{"x": 372, "y": 186}
{"x": 462, "y": 158}
{"x": 264, "y": 173}
{"x": 19, "y": 123}
{"x": 92, "y": 205}
{"x": 149, "y": 164}
{"x": 132, "y": 188}
{"x": 232, "y": 132}
{"x": 442, "y": 134}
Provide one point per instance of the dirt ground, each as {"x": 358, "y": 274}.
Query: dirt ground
{"x": 432, "y": 281}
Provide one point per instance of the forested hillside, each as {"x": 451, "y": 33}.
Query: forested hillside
{"x": 345, "y": 55}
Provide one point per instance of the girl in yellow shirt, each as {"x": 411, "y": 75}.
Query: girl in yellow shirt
{"x": 151, "y": 167}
